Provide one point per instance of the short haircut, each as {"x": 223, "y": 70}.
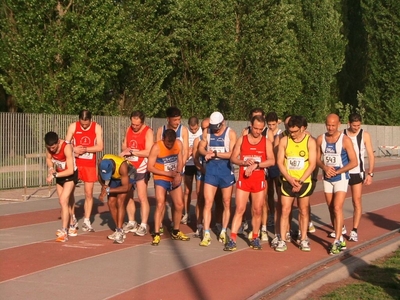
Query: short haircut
{"x": 355, "y": 117}
{"x": 173, "y": 112}
{"x": 193, "y": 121}
{"x": 296, "y": 121}
{"x": 305, "y": 124}
{"x": 256, "y": 110}
{"x": 138, "y": 114}
{"x": 286, "y": 117}
{"x": 85, "y": 115}
{"x": 169, "y": 135}
{"x": 257, "y": 118}
{"x": 51, "y": 138}
{"x": 271, "y": 117}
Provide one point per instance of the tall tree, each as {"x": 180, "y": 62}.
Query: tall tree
{"x": 382, "y": 90}
{"x": 318, "y": 27}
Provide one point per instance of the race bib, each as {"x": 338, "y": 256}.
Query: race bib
{"x": 255, "y": 158}
{"x": 86, "y": 155}
{"x": 218, "y": 149}
{"x": 295, "y": 163}
{"x": 331, "y": 159}
{"x": 170, "y": 166}
{"x": 132, "y": 158}
{"x": 60, "y": 166}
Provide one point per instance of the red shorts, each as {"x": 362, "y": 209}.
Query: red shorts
{"x": 251, "y": 185}
{"x": 87, "y": 174}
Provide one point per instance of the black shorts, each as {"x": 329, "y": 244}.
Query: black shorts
{"x": 73, "y": 177}
{"x": 142, "y": 176}
{"x": 190, "y": 170}
{"x": 356, "y": 178}
{"x": 313, "y": 184}
{"x": 305, "y": 191}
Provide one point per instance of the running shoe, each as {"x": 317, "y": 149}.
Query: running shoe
{"x": 305, "y": 246}
{"x": 264, "y": 236}
{"x": 113, "y": 235}
{"x": 156, "y": 240}
{"x": 130, "y": 227}
{"x": 223, "y": 237}
{"x": 243, "y": 227}
{"x": 274, "y": 242}
{"x": 311, "y": 227}
{"x": 353, "y": 236}
{"x": 206, "y": 241}
{"x": 255, "y": 244}
{"x": 343, "y": 245}
{"x": 288, "y": 237}
{"x": 281, "y": 246}
{"x": 75, "y": 223}
{"x": 72, "y": 231}
{"x": 198, "y": 232}
{"x": 333, "y": 234}
{"x": 87, "y": 227}
{"x": 334, "y": 249}
{"x": 250, "y": 236}
{"x": 185, "y": 219}
{"x": 62, "y": 236}
{"x": 119, "y": 237}
{"x": 142, "y": 230}
{"x": 180, "y": 236}
{"x": 230, "y": 246}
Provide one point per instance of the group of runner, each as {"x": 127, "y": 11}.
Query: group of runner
{"x": 266, "y": 158}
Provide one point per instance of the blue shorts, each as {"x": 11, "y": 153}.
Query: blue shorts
{"x": 167, "y": 185}
{"x": 219, "y": 174}
{"x": 117, "y": 182}
{"x": 200, "y": 176}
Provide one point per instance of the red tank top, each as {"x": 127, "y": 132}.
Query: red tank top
{"x": 137, "y": 141}
{"x": 258, "y": 152}
{"x": 59, "y": 159}
{"x": 86, "y": 138}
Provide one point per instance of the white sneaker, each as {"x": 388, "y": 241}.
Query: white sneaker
{"x": 353, "y": 236}
{"x": 305, "y": 246}
{"x": 141, "y": 231}
{"x": 264, "y": 236}
{"x": 333, "y": 234}
{"x": 119, "y": 237}
{"x": 130, "y": 227}
{"x": 185, "y": 219}
{"x": 274, "y": 242}
{"x": 311, "y": 227}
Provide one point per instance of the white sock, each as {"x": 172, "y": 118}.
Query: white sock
{"x": 264, "y": 228}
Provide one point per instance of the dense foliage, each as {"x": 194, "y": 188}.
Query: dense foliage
{"x": 113, "y": 56}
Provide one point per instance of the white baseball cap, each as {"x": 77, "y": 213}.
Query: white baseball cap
{"x": 216, "y": 120}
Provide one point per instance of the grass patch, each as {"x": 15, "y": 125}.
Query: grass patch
{"x": 380, "y": 280}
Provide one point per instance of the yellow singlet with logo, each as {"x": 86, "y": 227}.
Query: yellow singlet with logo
{"x": 296, "y": 158}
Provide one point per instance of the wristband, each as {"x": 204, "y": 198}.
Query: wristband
{"x": 51, "y": 168}
{"x": 55, "y": 174}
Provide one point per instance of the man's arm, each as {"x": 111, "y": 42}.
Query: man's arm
{"x": 99, "y": 141}
{"x": 203, "y": 147}
{"x": 270, "y": 136}
{"x": 158, "y": 136}
{"x": 270, "y": 161}
{"x": 185, "y": 138}
{"x": 312, "y": 158}
{"x": 235, "y": 157}
{"x": 70, "y": 132}
{"x": 371, "y": 158}
{"x": 124, "y": 145}
{"x": 320, "y": 163}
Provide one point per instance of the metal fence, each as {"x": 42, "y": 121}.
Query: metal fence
{"x": 23, "y": 134}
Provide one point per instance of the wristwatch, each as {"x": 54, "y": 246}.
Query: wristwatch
{"x": 108, "y": 190}
{"x": 55, "y": 174}
{"x": 371, "y": 174}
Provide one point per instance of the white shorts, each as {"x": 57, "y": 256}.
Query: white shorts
{"x": 336, "y": 186}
